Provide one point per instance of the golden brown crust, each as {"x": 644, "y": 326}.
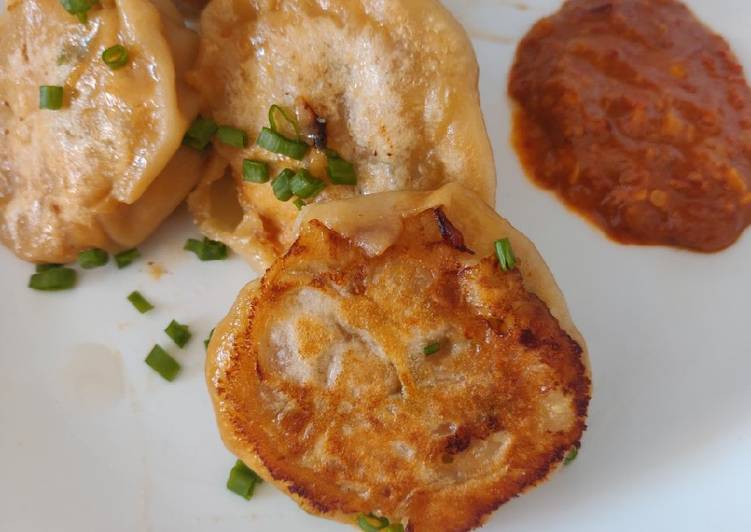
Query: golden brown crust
{"x": 320, "y": 383}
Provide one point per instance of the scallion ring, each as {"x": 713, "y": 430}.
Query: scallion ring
{"x": 242, "y": 480}
{"x": 431, "y": 348}
{"x": 341, "y": 172}
{"x": 281, "y": 185}
{"x": 93, "y": 258}
{"x": 288, "y": 117}
{"x": 255, "y": 171}
{"x": 505, "y": 254}
{"x": 371, "y": 523}
{"x": 163, "y": 363}
{"x": 78, "y": 8}
{"x": 53, "y": 279}
{"x": 232, "y": 136}
{"x": 141, "y": 303}
{"x": 303, "y": 185}
{"x": 50, "y": 97}
{"x": 179, "y": 333}
{"x": 276, "y": 143}
{"x": 200, "y": 133}
{"x": 126, "y": 258}
{"x": 115, "y": 56}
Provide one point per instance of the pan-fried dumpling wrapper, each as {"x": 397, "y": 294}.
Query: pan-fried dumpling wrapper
{"x": 375, "y": 222}
{"x": 395, "y": 80}
{"x": 325, "y": 383}
{"x": 108, "y": 167}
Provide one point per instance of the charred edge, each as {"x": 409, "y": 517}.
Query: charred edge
{"x": 459, "y": 442}
{"x": 450, "y": 234}
{"x": 319, "y": 136}
{"x": 603, "y": 9}
{"x": 305, "y": 494}
{"x": 528, "y": 338}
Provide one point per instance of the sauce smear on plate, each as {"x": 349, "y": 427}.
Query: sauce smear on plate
{"x": 639, "y": 117}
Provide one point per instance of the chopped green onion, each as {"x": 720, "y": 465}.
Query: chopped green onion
{"x": 255, "y": 171}
{"x": 93, "y": 258}
{"x": 299, "y": 203}
{"x": 179, "y": 333}
{"x": 371, "y": 523}
{"x": 141, "y": 303}
{"x": 126, "y": 258}
{"x": 281, "y": 185}
{"x": 206, "y": 249}
{"x": 506, "y": 258}
{"x": 53, "y": 279}
{"x": 398, "y": 527}
{"x": 79, "y": 8}
{"x": 274, "y": 142}
{"x": 208, "y": 339}
{"x": 231, "y": 136}
{"x": 304, "y": 185}
{"x": 288, "y": 117}
{"x": 115, "y": 56}
{"x": 340, "y": 171}
{"x": 242, "y": 480}
{"x": 571, "y": 456}
{"x": 44, "y": 267}
{"x": 161, "y": 362}
{"x": 200, "y": 133}
{"x": 431, "y": 349}
{"x": 50, "y": 97}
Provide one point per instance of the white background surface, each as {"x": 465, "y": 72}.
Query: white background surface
{"x": 92, "y": 440}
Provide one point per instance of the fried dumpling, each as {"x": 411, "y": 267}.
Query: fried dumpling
{"x": 107, "y": 167}
{"x": 387, "y": 365}
{"x": 390, "y": 85}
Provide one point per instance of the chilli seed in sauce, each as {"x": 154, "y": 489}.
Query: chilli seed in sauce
{"x": 639, "y": 117}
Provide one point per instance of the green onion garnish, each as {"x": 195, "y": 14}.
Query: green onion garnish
{"x": 79, "y": 8}
{"x": 207, "y": 249}
{"x": 50, "y": 97}
{"x": 281, "y": 185}
{"x": 179, "y": 333}
{"x": 161, "y": 362}
{"x": 200, "y": 133}
{"x": 208, "y": 338}
{"x": 340, "y": 171}
{"x": 371, "y": 523}
{"x": 231, "y": 136}
{"x": 431, "y": 349}
{"x": 288, "y": 117}
{"x": 115, "y": 56}
{"x": 505, "y": 254}
{"x": 44, "y": 267}
{"x": 93, "y": 258}
{"x": 299, "y": 203}
{"x": 571, "y": 456}
{"x": 274, "y": 142}
{"x": 242, "y": 480}
{"x": 126, "y": 258}
{"x": 394, "y": 528}
{"x": 304, "y": 185}
{"x": 255, "y": 171}
{"x": 53, "y": 279}
{"x": 141, "y": 303}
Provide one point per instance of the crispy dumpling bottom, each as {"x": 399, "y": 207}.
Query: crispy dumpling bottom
{"x": 397, "y": 370}
{"x": 391, "y": 85}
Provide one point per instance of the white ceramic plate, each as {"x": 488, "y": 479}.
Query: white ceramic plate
{"x": 93, "y": 440}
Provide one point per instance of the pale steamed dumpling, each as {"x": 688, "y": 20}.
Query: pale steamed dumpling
{"x": 106, "y": 168}
{"x": 395, "y": 81}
